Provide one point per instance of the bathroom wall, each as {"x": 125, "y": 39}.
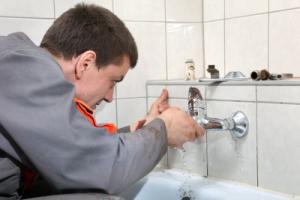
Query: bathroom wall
{"x": 243, "y": 35}
{"x": 239, "y": 35}
{"x": 167, "y": 32}
{"x": 247, "y": 35}
{"x": 268, "y": 157}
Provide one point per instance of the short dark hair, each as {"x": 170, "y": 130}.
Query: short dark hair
{"x": 90, "y": 27}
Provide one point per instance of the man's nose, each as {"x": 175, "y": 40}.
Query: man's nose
{"x": 109, "y": 96}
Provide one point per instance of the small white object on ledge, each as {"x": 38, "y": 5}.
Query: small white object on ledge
{"x": 190, "y": 70}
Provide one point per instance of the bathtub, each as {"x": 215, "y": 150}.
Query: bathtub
{"x": 179, "y": 185}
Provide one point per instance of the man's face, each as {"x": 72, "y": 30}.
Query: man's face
{"x": 97, "y": 85}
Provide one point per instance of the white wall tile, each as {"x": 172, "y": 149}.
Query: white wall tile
{"x": 178, "y": 91}
{"x": 235, "y": 8}
{"x": 34, "y": 28}
{"x": 285, "y": 42}
{"x": 28, "y": 8}
{"x": 106, "y": 113}
{"x": 246, "y": 44}
{"x": 130, "y": 110}
{"x": 283, "y": 4}
{"x": 150, "y": 39}
{"x": 214, "y": 46}
{"x": 62, "y": 6}
{"x": 229, "y": 158}
{"x": 184, "y": 10}
{"x": 181, "y": 91}
{"x": 213, "y": 9}
{"x": 143, "y": 10}
{"x": 179, "y": 103}
{"x": 150, "y": 100}
{"x": 278, "y": 147}
{"x": 155, "y": 90}
{"x": 184, "y": 41}
{"x": 280, "y": 94}
{"x": 232, "y": 92}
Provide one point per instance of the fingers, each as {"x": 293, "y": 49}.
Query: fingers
{"x": 199, "y": 131}
{"x": 163, "y": 97}
{"x": 162, "y": 107}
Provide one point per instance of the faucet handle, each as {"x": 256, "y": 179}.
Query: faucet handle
{"x": 241, "y": 124}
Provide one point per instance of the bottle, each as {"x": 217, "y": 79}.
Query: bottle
{"x": 190, "y": 70}
{"x": 214, "y": 73}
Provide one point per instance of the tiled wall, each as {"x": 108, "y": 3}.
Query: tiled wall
{"x": 167, "y": 32}
{"x": 267, "y": 157}
{"x": 247, "y": 35}
{"x": 238, "y": 35}
{"x": 166, "y": 36}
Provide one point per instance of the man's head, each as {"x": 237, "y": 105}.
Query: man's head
{"x": 94, "y": 48}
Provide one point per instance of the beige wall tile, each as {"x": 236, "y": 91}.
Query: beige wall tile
{"x": 278, "y": 147}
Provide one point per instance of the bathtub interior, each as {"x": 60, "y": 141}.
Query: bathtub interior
{"x": 179, "y": 185}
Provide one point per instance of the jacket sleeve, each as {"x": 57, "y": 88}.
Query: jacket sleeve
{"x": 124, "y": 129}
{"x": 37, "y": 110}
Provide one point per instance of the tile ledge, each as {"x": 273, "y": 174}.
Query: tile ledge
{"x": 289, "y": 82}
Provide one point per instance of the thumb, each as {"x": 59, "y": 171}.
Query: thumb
{"x": 163, "y": 96}
{"x": 162, "y": 107}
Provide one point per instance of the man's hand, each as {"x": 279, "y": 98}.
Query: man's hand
{"x": 181, "y": 128}
{"x": 160, "y": 105}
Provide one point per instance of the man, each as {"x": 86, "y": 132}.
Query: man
{"x": 47, "y": 95}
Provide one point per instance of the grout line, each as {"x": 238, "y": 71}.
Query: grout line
{"x": 268, "y": 40}
{"x": 224, "y": 41}
{"x": 203, "y": 43}
{"x": 54, "y": 9}
{"x": 213, "y": 20}
{"x": 230, "y": 100}
{"x": 36, "y": 18}
{"x": 235, "y": 101}
{"x": 116, "y": 106}
{"x": 147, "y": 102}
{"x": 256, "y": 133}
{"x": 185, "y": 22}
{"x": 245, "y": 16}
{"x": 206, "y": 140}
{"x": 255, "y": 14}
{"x": 206, "y": 137}
{"x": 242, "y": 16}
{"x": 164, "y": 21}
{"x": 278, "y": 103}
{"x": 120, "y": 98}
{"x": 166, "y": 42}
{"x": 279, "y": 83}
{"x": 282, "y": 10}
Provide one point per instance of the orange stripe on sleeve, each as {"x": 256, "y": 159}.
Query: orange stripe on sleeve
{"x": 87, "y": 112}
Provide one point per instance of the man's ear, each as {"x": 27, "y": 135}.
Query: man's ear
{"x": 85, "y": 61}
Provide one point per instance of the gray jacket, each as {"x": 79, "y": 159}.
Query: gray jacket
{"x": 42, "y": 130}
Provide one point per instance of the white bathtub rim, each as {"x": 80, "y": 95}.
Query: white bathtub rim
{"x": 180, "y": 172}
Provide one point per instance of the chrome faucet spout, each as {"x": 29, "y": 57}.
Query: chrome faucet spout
{"x": 195, "y": 102}
{"x": 237, "y": 124}
{"x": 210, "y": 123}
